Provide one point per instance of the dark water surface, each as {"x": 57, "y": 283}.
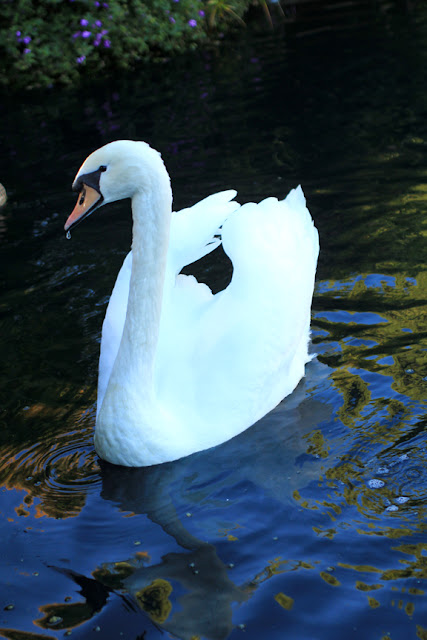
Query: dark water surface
{"x": 312, "y": 524}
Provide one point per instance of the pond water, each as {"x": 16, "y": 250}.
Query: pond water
{"x": 311, "y": 525}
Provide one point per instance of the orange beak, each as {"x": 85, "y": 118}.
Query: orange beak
{"x": 86, "y": 202}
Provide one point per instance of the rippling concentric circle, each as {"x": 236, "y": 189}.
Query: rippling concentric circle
{"x": 56, "y": 473}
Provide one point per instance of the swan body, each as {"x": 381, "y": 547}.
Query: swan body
{"x": 181, "y": 369}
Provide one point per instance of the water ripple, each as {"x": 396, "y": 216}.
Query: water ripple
{"x": 55, "y": 474}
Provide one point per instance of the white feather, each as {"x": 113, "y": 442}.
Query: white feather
{"x": 210, "y": 365}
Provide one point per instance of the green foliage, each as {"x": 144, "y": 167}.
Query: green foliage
{"x": 48, "y": 41}
{"x": 222, "y": 10}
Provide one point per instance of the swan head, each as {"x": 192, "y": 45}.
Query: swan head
{"x": 114, "y": 172}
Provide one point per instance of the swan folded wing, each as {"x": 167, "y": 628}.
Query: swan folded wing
{"x": 112, "y": 328}
{"x": 193, "y": 230}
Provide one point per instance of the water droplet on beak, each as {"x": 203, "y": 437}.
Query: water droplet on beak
{"x": 68, "y": 235}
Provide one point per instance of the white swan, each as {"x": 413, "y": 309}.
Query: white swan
{"x": 182, "y": 370}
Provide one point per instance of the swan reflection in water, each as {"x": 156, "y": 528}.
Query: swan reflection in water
{"x": 196, "y": 573}
{"x": 192, "y": 590}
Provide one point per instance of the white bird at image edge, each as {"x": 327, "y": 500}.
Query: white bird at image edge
{"x": 181, "y": 369}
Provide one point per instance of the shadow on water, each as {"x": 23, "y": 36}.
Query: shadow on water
{"x": 312, "y": 523}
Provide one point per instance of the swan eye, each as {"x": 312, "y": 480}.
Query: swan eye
{"x": 103, "y": 168}
{"x": 82, "y": 196}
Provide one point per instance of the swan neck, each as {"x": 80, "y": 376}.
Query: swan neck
{"x": 151, "y": 222}
{"x": 131, "y": 382}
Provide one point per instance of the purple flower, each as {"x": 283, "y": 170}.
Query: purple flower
{"x": 18, "y": 33}
{"x": 172, "y": 20}
{"x": 27, "y": 51}
{"x": 192, "y": 23}
{"x": 107, "y": 44}
{"x": 104, "y": 32}
{"x": 26, "y": 40}
{"x": 98, "y": 23}
{"x": 84, "y": 22}
{"x": 97, "y": 4}
{"x": 105, "y": 5}
{"x": 97, "y": 40}
{"x": 85, "y": 34}
{"x": 77, "y": 35}
{"x": 202, "y": 13}
{"x": 80, "y": 59}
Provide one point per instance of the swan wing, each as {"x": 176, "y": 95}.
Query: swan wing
{"x": 225, "y": 360}
{"x": 112, "y": 327}
{"x": 245, "y": 348}
{"x": 194, "y": 231}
